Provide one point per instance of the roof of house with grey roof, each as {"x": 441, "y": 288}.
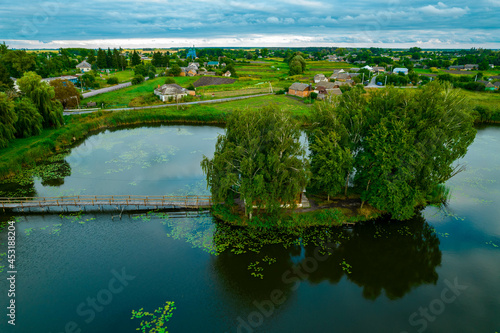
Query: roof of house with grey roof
{"x": 299, "y": 86}
{"x": 83, "y": 64}
{"x": 171, "y": 89}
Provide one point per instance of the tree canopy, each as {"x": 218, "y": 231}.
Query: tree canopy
{"x": 402, "y": 144}
{"x": 29, "y": 121}
{"x": 7, "y": 119}
{"x": 43, "y": 97}
{"x": 259, "y": 160}
{"x": 66, "y": 93}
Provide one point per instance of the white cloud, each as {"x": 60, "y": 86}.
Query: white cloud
{"x": 273, "y": 20}
{"x": 443, "y": 10}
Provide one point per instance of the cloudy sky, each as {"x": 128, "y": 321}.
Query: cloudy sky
{"x": 259, "y": 23}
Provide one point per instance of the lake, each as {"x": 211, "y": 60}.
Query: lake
{"x": 87, "y": 271}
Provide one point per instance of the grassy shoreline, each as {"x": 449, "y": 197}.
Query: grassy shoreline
{"x": 27, "y": 152}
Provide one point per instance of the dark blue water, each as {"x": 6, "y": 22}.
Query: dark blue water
{"x": 438, "y": 272}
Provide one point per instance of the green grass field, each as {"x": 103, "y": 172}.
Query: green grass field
{"x": 469, "y": 73}
{"x": 284, "y": 102}
{"x": 487, "y": 99}
{"x": 123, "y": 97}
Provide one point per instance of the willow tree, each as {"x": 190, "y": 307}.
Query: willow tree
{"x": 259, "y": 160}
{"x": 403, "y": 143}
{"x": 29, "y": 121}
{"x": 7, "y": 120}
{"x": 43, "y": 97}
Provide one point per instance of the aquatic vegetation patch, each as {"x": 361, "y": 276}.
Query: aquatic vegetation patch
{"x": 154, "y": 322}
{"x": 345, "y": 266}
{"x": 492, "y": 244}
{"x": 256, "y": 270}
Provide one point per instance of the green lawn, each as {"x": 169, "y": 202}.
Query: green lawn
{"x": 282, "y": 101}
{"x": 487, "y": 99}
{"x": 122, "y": 97}
{"x": 470, "y": 73}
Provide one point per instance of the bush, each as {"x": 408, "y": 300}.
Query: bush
{"x": 151, "y": 75}
{"x": 314, "y": 95}
{"x": 169, "y": 80}
{"x": 112, "y": 80}
{"x": 138, "y": 79}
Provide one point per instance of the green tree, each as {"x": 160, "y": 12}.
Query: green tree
{"x": 138, "y": 79}
{"x": 260, "y": 160}
{"x": 484, "y": 65}
{"x": 403, "y": 143}
{"x": 101, "y": 59}
{"x": 18, "y": 62}
{"x": 135, "y": 59}
{"x": 297, "y": 65}
{"x": 175, "y": 70}
{"x": 29, "y": 121}
{"x": 42, "y": 95}
{"x": 7, "y": 119}
{"x": 87, "y": 80}
{"x": 66, "y": 93}
{"x": 157, "y": 60}
{"x": 6, "y": 82}
{"x": 331, "y": 163}
{"x": 91, "y": 57}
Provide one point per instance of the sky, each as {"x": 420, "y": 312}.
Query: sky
{"x": 250, "y": 23}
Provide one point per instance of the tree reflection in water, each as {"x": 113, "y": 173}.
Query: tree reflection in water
{"x": 389, "y": 256}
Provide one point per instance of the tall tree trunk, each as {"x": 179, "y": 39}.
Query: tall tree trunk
{"x": 367, "y": 186}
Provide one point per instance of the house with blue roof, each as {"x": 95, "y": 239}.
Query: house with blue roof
{"x": 400, "y": 70}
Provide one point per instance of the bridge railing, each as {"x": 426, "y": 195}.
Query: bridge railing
{"x": 86, "y": 200}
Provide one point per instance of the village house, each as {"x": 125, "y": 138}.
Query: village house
{"x": 320, "y": 78}
{"x": 378, "y": 69}
{"x": 227, "y": 74}
{"x": 84, "y": 66}
{"x": 332, "y": 58}
{"x": 341, "y": 77}
{"x": 456, "y": 68}
{"x": 325, "y": 89}
{"x": 470, "y": 67}
{"x": 194, "y": 65}
{"x": 70, "y": 78}
{"x": 189, "y": 71}
{"x": 338, "y": 84}
{"x": 172, "y": 92}
{"x": 490, "y": 86}
{"x": 212, "y": 63}
{"x": 300, "y": 89}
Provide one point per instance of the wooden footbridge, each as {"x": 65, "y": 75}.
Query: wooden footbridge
{"x": 118, "y": 201}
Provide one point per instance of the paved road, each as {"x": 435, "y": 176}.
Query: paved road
{"x": 221, "y": 100}
{"x": 105, "y": 90}
{"x": 373, "y": 83}
{"x": 108, "y": 89}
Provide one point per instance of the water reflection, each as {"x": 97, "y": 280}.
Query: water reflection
{"x": 383, "y": 256}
